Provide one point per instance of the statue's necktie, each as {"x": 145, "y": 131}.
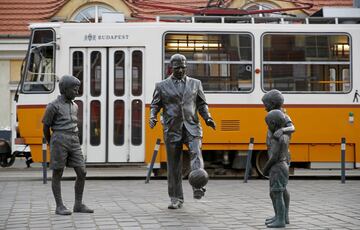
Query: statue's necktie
{"x": 180, "y": 85}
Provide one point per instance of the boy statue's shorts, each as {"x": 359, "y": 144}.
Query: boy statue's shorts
{"x": 279, "y": 176}
{"x": 65, "y": 150}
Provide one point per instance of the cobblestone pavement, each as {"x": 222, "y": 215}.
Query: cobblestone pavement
{"x": 131, "y": 204}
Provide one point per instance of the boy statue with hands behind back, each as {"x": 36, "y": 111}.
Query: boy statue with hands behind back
{"x": 61, "y": 118}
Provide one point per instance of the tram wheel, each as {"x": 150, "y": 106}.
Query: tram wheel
{"x": 6, "y": 158}
{"x": 160, "y": 172}
{"x": 7, "y": 161}
{"x": 260, "y": 161}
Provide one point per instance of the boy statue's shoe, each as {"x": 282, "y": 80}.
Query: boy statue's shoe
{"x": 276, "y": 224}
{"x": 62, "y": 210}
{"x": 175, "y": 205}
{"x": 83, "y": 209}
{"x": 199, "y": 193}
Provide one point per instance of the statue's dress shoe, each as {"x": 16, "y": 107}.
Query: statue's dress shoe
{"x": 287, "y": 221}
{"x": 62, "y": 210}
{"x": 276, "y": 224}
{"x": 270, "y": 220}
{"x": 83, "y": 209}
{"x": 199, "y": 193}
{"x": 175, "y": 205}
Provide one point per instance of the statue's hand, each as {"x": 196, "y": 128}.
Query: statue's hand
{"x": 278, "y": 133}
{"x": 152, "y": 122}
{"x": 266, "y": 172}
{"x": 284, "y": 138}
{"x": 210, "y": 122}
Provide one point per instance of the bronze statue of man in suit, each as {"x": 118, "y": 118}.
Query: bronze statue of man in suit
{"x": 180, "y": 97}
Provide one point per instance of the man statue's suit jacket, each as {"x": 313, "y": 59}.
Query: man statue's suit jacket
{"x": 179, "y": 111}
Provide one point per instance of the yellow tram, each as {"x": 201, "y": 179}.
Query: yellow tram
{"x": 311, "y": 60}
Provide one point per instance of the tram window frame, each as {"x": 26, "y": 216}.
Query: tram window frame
{"x": 95, "y": 123}
{"x": 119, "y": 123}
{"x": 78, "y": 69}
{"x": 96, "y": 81}
{"x": 137, "y": 72}
{"x": 248, "y": 84}
{"x": 137, "y": 125}
{"x": 119, "y": 72}
{"x": 80, "y": 116}
{"x": 346, "y": 64}
{"x": 38, "y": 79}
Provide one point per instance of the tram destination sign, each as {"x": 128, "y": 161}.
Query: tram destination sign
{"x": 98, "y": 37}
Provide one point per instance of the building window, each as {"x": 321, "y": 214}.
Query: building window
{"x": 92, "y": 13}
{"x": 261, "y": 6}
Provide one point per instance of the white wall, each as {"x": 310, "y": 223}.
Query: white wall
{"x": 4, "y": 94}
{"x": 10, "y": 49}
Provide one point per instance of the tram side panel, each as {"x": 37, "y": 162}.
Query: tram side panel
{"x": 316, "y": 141}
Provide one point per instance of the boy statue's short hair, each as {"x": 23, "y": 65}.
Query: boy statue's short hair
{"x": 67, "y": 81}
{"x": 274, "y": 97}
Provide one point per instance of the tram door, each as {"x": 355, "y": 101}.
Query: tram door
{"x": 111, "y": 103}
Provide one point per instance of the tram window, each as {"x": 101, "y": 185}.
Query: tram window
{"x": 119, "y": 73}
{"x": 309, "y": 63}
{"x": 223, "y": 62}
{"x": 80, "y": 116}
{"x": 95, "y": 74}
{"x": 119, "y": 122}
{"x": 332, "y": 78}
{"x": 136, "y": 122}
{"x": 136, "y": 73}
{"x": 78, "y": 69}
{"x": 346, "y": 76}
{"x": 95, "y": 123}
{"x": 39, "y": 74}
{"x": 43, "y": 36}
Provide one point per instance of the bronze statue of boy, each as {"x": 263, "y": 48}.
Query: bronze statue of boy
{"x": 273, "y": 99}
{"x": 61, "y": 118}
{"x": 277, "y": 167}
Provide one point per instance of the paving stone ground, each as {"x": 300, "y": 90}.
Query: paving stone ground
{"x": 131, "y": 204}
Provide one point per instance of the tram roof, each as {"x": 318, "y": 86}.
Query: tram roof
{"x": 162, "y": 20}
